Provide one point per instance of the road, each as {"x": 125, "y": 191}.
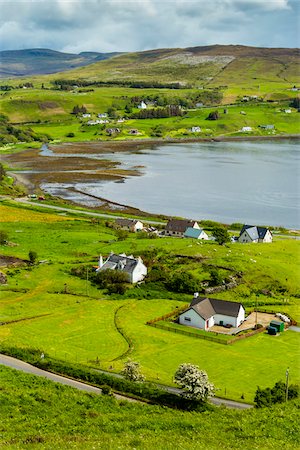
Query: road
{"x": 79, "y": 211}
{"x": 28, "y": 368}
{"x": 25, "y": 367}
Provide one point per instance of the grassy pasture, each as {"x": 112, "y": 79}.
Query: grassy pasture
{"x": 100, "y": 422}
{"x": 80, "y": 322}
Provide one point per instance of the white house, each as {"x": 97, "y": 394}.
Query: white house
{"x": 195, "y": 233}
{"x": 177, "y": 227}
{"x": 132, "y": 267}
{"x": 244, "y": 129}
{"x": 86, "y": 115}
{"x": 130, "y": 224}
{"x": 250, "y": 233}
{"x": 195, "y": 129}
{"x": 288, "y": 111}
{"x": 142, "y": 105}
{"x": 102, "y": 115}
{"x": 205, "y": 312}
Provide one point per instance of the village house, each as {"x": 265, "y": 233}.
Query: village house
{"x": 195, "y": 129}
{"x": 86, "y": 115}
{"x": 130, "y": 224}
{"x": 102, "y": 115}
{"x": 246, "y": 129}
{"x": 250, "y": 233}
{"x": 177, "y": 227}
{"x": 195, "y": 233}
{"x": 142, "y": 105}
{"x": 134, "y": 268}
{"x": 205, "y": 312}
{"x": 111, "y": 131}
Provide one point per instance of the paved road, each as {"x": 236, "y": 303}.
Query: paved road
{"x": 28, "y": 368}
{"x": 80, "y": 212}
{"x": 25, "y": 367}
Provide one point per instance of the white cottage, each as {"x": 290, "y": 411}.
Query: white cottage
{"x": 130, "y": 224}
{"x": 132, "y": 267}
{"x": 205, "y": 312}
{"x": 250, "y": 233}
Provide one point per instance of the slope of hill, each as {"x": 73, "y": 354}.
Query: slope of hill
{"x": 59, "y": 417}
{"x": 43, "y": 61}
{"x": 199, "y": 66}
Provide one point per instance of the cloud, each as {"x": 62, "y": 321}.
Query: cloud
{"x": 132, "y": 25}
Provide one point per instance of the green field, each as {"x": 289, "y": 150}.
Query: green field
{"x": 60, "y": 417}
{"x": 79, "y": 320}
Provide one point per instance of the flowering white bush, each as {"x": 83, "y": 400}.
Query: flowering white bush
{"x": 132, "y": 372}
{"x": 194, "y": 382}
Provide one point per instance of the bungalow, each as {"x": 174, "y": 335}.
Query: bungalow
{"x": 195, "y": 233}
{"x": 102, "y": 115}
{"x": 111, "y": 131}
{"x": 130, "y": 224}
{"x": 142, "y": 105}
{"x": 177, "y": 227}
{"x": 205, "y": 312}
{"x": 250, "y": 233}
{"x": 86, "y": 115}
{"x": 246, "y": 129}
{"x": 195, "y": 129}
{"x": 132, "y": 267}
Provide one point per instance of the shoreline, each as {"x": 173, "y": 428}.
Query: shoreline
{"x": 140, "y": 142}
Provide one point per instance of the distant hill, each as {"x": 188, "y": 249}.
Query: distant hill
{"x": 214, "y": 65}
{"x": 14, "y": 63}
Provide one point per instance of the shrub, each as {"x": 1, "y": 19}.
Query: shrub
{"x": 3, "y": 237}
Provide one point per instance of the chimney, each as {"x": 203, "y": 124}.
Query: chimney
{"x": 100, "y": 261}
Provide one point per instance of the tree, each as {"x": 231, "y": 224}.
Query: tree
{"x": 2, "y": 172}
{"x": 277, "y": 394}
{"x": 32, "y": 257}
{"x": 183, "y": 282}
{"x": 194, "y": 382}
{"x": 131, "y": 371}
{"x": 214, "y": 115}
{"x": 3, "y": 237}
{"x": 221, "y": 235}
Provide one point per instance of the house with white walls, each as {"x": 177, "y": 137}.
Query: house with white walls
{"x": 205, "y": 312}
{"x": 250, "y": 233}
{"x": 134, "y": 268}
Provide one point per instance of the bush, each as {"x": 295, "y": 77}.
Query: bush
{"x": 71, "y": 135}
{"x": 106, "y": 390}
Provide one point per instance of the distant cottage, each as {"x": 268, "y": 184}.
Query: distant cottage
{"x": 177, "y": 227}
{"x": 195, "y": 129}
{"x": 142, "y": 105}
{"x": 205, "y": 312}
{"x": 195, "y": 233}
{"x": 130, "y": 224}
{"x": 246, "y": 129}
{"x": 250, "y": 233}
{"x": 134, "y": 268}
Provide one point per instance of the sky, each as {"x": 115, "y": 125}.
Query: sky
{"x": 134, "y": 25}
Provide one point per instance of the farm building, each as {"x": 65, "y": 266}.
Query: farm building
{"x": 195, "y": 233}
{"x": 177, "y": 227}
{"x": 250, "y": 233}
{"x": 205, "y": 312}
{"x": 132, "y": 267}
{"x": 142, "y": 105}
{"x": 130, "y": 224}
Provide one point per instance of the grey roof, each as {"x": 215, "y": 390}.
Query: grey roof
{"x": 254, "y": 231}
{"x": 126, "y": 222}
{"x": 120, "y": 262}
{"x": 179, "y": 225}
{"x": 207, "y": 307}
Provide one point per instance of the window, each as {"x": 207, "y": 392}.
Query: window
{"x": 188, "y": 319}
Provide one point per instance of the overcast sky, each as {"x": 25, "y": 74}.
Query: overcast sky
{"x": 132, "y": 25}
